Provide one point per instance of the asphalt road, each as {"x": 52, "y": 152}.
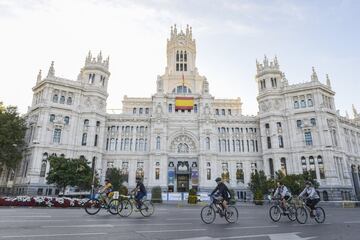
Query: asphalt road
{"x": 172, "y": 222}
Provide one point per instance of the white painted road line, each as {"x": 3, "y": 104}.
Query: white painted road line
{"x": 113, "y": 225}
{"x": 352, "y": 222}
{"x": 173, "y": 230}
{"x": 32, "y": 220}
{"x": 250, "y": 227}
{"x": 17, "y": 216}
{"x": 53, "y": 235}
{"x": 81, "y": 226}
{"x": 175, "y": 219}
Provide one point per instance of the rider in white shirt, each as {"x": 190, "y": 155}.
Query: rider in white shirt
{"x": 312, "y": 197}
{"x": 284, "y": 194}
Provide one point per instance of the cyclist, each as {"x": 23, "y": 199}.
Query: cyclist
{"x": 223, "y": 191}
{"x": 284, "y": 194}
{"x": 139, "y": 191}
{"x": 106, "y": 191}
{"x": 312, "y": 197}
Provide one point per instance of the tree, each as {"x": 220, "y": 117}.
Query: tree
{"x": 12, "y": 133}
{"x": 259, "y": 186}
{"x": 296, "y": 182}
{"x": 69, "y": 172}
{"x": 115, "y": 177}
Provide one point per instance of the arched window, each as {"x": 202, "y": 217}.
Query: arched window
{"x": 181, "y": 89}
{"x": 43, "y": 164}
{"x": 312, "y": 167}
{"x": 66, "y": 120}
{"x": 281, "y": 142}
{"x": 52, "y": 117}
{"x": 303, "y": 103}
{"x": 157, "y": 143}
{"x": 141, "y": 144}
{"x": 96, "y": 140}
{"x": 84, "y": 138}
{"x": 222, "y": 111}
{"x": 146, "y": 110}
{"x": 55, "y": 98}
{"x": 195, "y": 108}
{"x": 170, "y": 108}
{"x": 321, "y": 167}
{"x": 207, "y": 143}
{"x": 140, "y": 110}
{"x": 303, "y": 164}
{"x": 134, "y": 110}
{"x": 62, "y": 99}
{"x": 69, "y": 101}
{"x": 313, "y": 121}
{"x": 239, "y": 173}
{"x": 57, "y": 135}
{"x": 283, "y": 166}
{"x": 86, "y": 122}
{"x": 112, "y": 144}
{"x": 296, "y": 104}
{"x": 217, "y": 111}
{"x": 271, "y": 168}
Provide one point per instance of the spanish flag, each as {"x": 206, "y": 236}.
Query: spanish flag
{"x": 184, "y": 103}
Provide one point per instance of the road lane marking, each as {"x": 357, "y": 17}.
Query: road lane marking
{"x": 17, "y": 216}
{"x": 250, "y": 227}
{"x": 81, "y": 226}
{"x": 113, "y": 225}
{"x": 172, "y": 230}
{"x": 53, "y": 235}
{"x": 352, "y": 222}
{"x": 175, "y": 219}
{"x": 272, "y": 236}
{"x": 31, "y": 220}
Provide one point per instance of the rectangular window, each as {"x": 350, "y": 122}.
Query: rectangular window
{"x": 299, "y": 123}
{"x": 208, "y": 173}
{"x": 269, "y": 142}
{"x": 57, "y": 135}
{"x": 308, "y": 138}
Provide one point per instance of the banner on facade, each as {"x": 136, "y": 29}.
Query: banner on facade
{"x": 171, "y": 177}
{"x": 195, "y": 177}
{"x": 184, "y": 103}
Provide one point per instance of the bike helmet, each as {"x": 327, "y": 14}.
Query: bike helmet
{"x": 308, "y": 183}
{"x": 218, "y": 179}
{"x": 107, "y": 180}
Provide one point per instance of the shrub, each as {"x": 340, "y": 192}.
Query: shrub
{"x": 258, "y": 198}
{"x": 156, "y": 195}
{"x": 232, "y": 197}
{"x": 192, "y": 199}
{"x": 123, "y": 190}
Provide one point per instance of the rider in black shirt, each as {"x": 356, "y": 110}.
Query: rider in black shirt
{"x": 223, "y": 191}
{"x": 140, "y": 192}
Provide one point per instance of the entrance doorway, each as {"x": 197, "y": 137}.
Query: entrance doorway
{"x": 182, "y": 182}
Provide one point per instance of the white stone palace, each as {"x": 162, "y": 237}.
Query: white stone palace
{"x": 183, "y": 137}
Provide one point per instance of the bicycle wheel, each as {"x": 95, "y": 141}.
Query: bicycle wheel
{"x": 147, "y": 208}
{"x": 92, "y": 206}
{"x": 126, "y": 208}
{"x": 275, "y": 213}
{"x": 320, "y": 215}
{"x": 292, "y": 213}
{"x": 113, "y": 206}
{"x": 231, "y": 214}
{"x": 208, "y": 214}
{"x": 301, "y": 215}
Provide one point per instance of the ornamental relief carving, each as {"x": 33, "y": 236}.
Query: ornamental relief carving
{"x": 182, "y": 144}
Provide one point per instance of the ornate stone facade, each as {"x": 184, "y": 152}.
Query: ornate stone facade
{"x": 297, "y": 129}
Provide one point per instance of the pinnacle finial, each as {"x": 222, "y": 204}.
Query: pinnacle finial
{"x": 354, "y": 111}
{"x": 347, "y": 114}
{"x": 328, "y": 80}
{"x": 314, "y": 75}
{"x": 39, "y": 76}
{"x": 276, "y": 63}
{"x": 99, "y": 57}
{"x": 51, "y": 72}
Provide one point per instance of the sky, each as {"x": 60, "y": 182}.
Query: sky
{"x": 230, "y": 36}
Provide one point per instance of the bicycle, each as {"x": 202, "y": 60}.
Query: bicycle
{"x": 208, "y": 212}
{"x": 127, "y": 203}
{"x": 302, "y": 213}
{"x": 276, "y": 211}
{"x": 97, "y": 202}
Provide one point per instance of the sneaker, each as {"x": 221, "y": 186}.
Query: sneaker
{"x": 221, "y": 213}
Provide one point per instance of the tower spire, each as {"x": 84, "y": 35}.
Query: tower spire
{"x": 51, "y": 72}
{"x": 38, "y": 79}
{"x": 354, "y": 111}
{"x": 328, "y": 80}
